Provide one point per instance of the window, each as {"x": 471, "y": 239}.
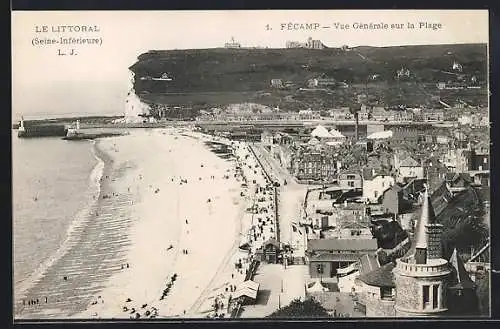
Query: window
{"x": 375, "y": 194}
{"x": 319, "y": 268}
{"x": 430, "y": 296}
{"x": 426, "y": 296}
{"x": 350, "y": 184}
{"x": 386, "y": 293}
{"x": 435, "y": 294}
{"x": 351, "y": 177}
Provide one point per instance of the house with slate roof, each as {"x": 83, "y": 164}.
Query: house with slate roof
{"x": 325, "y": 256}
{"x": 408, "y": 168}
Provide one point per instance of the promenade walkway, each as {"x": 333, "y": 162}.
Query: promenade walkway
{"x": 278, "y": 287}
{"x": 290, "y": 202}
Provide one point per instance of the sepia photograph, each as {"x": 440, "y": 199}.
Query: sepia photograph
{"x": 263, "y": 164}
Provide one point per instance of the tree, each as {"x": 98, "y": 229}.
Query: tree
{"x": 464, "y": 230}
{"x": 310, "y": 308}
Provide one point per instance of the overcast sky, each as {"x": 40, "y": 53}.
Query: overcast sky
{"x": 96, "y": 80}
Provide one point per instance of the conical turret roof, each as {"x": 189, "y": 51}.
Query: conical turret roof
{"x": 427, "y": 217}
{"x": 461, "y": 278}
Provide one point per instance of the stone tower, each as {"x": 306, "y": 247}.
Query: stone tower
{"x": 421, "y": 278}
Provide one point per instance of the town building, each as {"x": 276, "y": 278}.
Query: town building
{"x": 403, "y": 73}
{"x": 309, "y": 44}
{"x": 321, "y": 82}
{"x": 480, "y": 158}
{"x": 341, "y": 114}
{"x": 458, "y": 159}
{"x": 232, "y": 44}
{"x": 309, "y": 115}
{"x": 313, "y": 165}
{"x": 314, "y": 44}
{"x": 266, "y": 138}
{"x": 325, "y": 256}
{"x": 422, "y": 283}
{"x": 375, "y": 184}
{"x": 294, "y": 44}
{"x": 393, "y": 200}
{"x": 350, "y": 180}
{"x": 432, "y": 115}
{"x": 277, "y": 83}
{"x": 351, "y": 212}
{"x": 441, "y": 85}
{"x": 349, "y": 230}
{"x": 407, "y": 168}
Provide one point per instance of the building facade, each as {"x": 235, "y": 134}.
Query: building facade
{"x": 374, "y": 185}
{"x": 350, "y": 180}
{"x": 312, "y": 165}
{"x": 325, "y": 256}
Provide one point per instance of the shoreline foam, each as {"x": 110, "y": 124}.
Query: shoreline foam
{"x": 22, "y": 290}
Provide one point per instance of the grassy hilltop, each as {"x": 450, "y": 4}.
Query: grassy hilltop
{"x": 219, "y": 76}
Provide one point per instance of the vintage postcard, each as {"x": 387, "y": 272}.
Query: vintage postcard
{"x": 250, "y": 164}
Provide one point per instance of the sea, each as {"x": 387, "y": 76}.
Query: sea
{"x": 56, "y": 186}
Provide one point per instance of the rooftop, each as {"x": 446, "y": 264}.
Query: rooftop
{"x": 368, "y": 262}
{"x": 333, "y": 257}
{"x": 409, "y": 162}
{"x": 380, "y": 277}
{"x": 342, "y": 244}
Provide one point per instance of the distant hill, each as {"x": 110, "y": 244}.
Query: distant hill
{"x": 221, "y": 76}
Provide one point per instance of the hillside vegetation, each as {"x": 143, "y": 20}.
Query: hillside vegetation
{"x": 221, "y": 76}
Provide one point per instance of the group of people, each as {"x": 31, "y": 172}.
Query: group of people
{"x": 34, "y": 301}
{"x": 148, "y": 312}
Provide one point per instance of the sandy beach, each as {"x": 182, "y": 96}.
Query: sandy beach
{"x": 184, "y": 197}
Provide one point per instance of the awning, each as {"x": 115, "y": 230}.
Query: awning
{"x": 248, "y": 288}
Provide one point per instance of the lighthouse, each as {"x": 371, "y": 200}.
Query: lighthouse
{"x": 21, "y": 126}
